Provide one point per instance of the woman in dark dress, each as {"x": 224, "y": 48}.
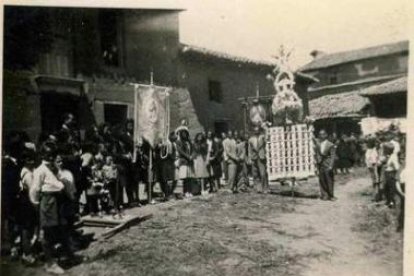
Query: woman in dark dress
{"x": 216, "y": 159}
{"x": 167, "y": 171}
{"x": 344, "y": 155}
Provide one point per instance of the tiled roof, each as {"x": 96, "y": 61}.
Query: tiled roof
{"x": 394, "y": 86}
{"x": 190, "y": 49}
{"x": 328, "y": 60}
{"x": 348, "y": 104}
{"x": 195, "y": 50}
{"x": 364, "y": 81}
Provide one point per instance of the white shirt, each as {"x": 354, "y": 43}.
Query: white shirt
{"x": 392, "y": 163}
{"x": 371, "y": 157}
{"x": 26, "y": 179}
{"x": 209, "y": 146}
{"x": 324, "y": 146}
{"x": 225, "y": 142}
{"x": 397, "y": 147}
{"x": 402, "y": 177}
{"x": 255, "y": 141}
{"x": 44, "y": 180}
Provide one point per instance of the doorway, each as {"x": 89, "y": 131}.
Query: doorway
{"x": 53, "y": 106}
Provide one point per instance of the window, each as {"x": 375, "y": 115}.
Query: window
{"x": 108, "y": 29}
{"x": 214, "y": 91}
{"x": 115, "y": 114}
{"x": 333, "y": 78}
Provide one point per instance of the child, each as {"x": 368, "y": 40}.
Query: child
{"x": 27, "y": 212}
{"x": 46, "y": 191}
{"x": 110, "y": 174}
{"x": 390, "y": 171}
{"x": 372, "y": 162}
{"x": 96, "y": 183}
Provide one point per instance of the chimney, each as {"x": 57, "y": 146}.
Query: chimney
{"x": 317, "y": 54}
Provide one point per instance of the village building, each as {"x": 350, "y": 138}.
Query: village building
{"x": 358, "y": 84}
{"x": 95, "y": 55}
{"x": 223, "y": 86}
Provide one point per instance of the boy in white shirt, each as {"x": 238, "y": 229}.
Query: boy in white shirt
{"x": 392, "y": 166}
{"x": 47, "y": 191}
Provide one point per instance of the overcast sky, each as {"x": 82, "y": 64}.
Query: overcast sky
{"x": 256, "y": 28}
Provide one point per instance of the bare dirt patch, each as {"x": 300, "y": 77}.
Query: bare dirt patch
{"x": 254, "y": 234}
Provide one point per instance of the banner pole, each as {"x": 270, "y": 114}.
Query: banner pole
{"x": 135, "y": 121}
{"x": 149, "y": 190}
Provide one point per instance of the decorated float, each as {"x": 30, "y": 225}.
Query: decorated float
{"x": 290, "y": 139}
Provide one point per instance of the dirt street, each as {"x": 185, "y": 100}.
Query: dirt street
{"x": 254, "y": 234}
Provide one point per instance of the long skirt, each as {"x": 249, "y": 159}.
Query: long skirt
{"x": 216, "y": 170}
{"x": 200, "y": 167}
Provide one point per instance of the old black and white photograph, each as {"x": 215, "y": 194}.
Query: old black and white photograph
{"x": 205, "y": 138}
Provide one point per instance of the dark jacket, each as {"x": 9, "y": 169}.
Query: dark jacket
{"x": 184, "y": 151}
{"x": 258, "y": 151}
{"x": 325, "y": 159}
{"x": 216, "y": 153}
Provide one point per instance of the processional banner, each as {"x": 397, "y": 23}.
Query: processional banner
{"x": 151, "y": 114}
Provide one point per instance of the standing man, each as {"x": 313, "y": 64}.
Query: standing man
{"x": 325, "y": 158}
{"x": 231, "y": 159}
{"x": 226, "y": 139}
{"x": 257, "y": 155}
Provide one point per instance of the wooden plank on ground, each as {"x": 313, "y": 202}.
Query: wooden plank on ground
{"x": 132, "y": 221}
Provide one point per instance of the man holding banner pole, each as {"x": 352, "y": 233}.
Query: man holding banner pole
{"x": 151, "y": 121}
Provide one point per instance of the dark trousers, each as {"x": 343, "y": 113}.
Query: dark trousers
{"x": 165, "y": 188}
{"x": 93, "y": 203}
{"x": 115, "y": 191}
{"x": 27, "y": 234}
{"x": 326, "y": 183}
{"x": 242, "y": 176}
{"x": 52, "y": 236}
{"x": 389, "y": 188}
{"x": 259, "y": 174}
{"x": 186, "y": 185}
{"x": 401, "y": 213}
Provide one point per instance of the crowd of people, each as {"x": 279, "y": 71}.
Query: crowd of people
{"x": 349, "y": 152}
{"x": 385, "y": 160}
{"x": 49, "y": 184}
{"x": 383, "y": 154}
